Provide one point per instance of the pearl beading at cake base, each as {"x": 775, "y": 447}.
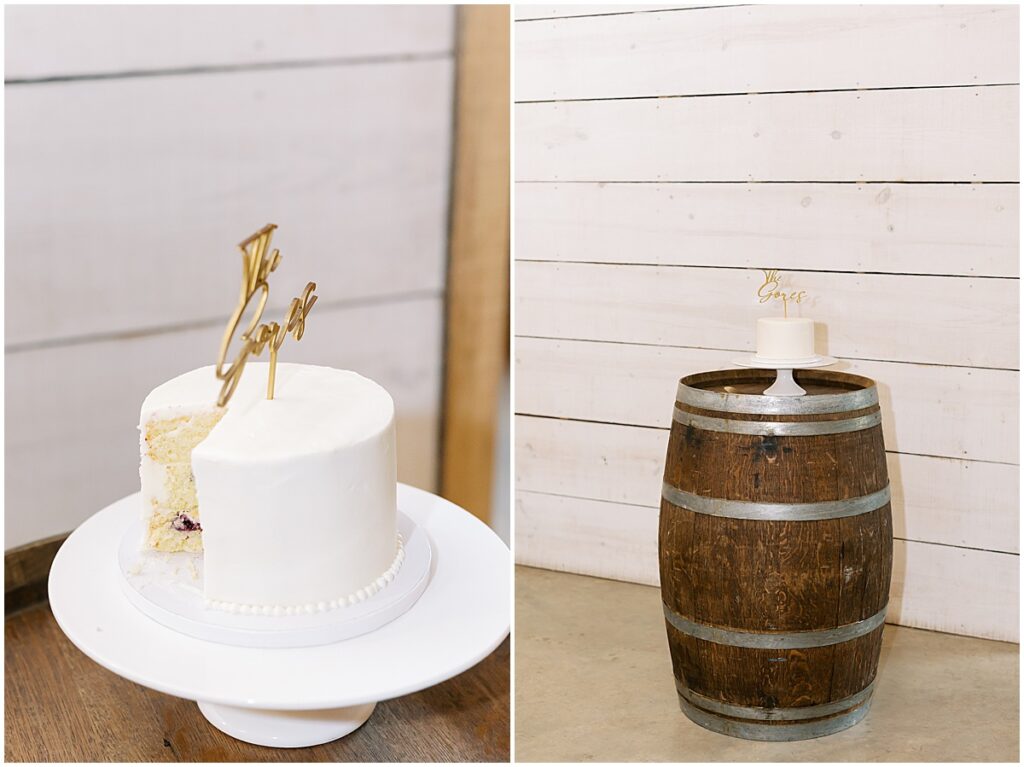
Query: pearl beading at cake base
{"x": 323, "y": 606}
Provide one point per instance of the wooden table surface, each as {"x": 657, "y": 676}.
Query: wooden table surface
{"x": 61, "y": 706}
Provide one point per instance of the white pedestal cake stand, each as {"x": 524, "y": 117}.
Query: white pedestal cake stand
{"x": 784, "y": 385}
{"x": 293, "y": 697}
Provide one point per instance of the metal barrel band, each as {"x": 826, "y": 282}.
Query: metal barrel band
{"x": 792, "y": 640}
{"x": 795, "y": 512}
{"x": 789, "y": 714}
{"x": 777, "y": 428}
{"x": 812, "y": 404}
{"x": 774, "y": 732}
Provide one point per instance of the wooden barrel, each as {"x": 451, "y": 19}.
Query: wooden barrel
{"x": 775, "y": 547}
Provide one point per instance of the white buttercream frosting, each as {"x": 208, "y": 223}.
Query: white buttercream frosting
{"x": 297, "y": 495}
{"x": 322, "y": 606}
{"x": 782, "y": 338}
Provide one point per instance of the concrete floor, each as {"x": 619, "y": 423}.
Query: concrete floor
{"x": 594, "y": 683}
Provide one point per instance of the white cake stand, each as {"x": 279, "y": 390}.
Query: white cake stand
{"x": 784, "y": 385}
{"x": 293, "y": 697}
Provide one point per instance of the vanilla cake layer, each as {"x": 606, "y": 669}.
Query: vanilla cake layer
{"x": 295, "y": 496}
{"x": 168, "y": 486}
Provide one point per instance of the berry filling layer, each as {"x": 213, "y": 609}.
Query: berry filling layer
{"x": 185, "y": 524}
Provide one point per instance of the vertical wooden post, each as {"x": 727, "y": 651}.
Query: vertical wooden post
{"x": 477, "y": 321}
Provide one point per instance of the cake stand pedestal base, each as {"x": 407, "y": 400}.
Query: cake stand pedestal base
{"x": 286, "y": 729}
{"x": 784, "y": 385}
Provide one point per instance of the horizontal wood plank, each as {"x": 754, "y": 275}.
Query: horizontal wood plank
{"x": 61, "y": 41}
{"x": 960, "y": 591}
{"x": 935, "y": 500}
{"x": 72, "y": 411}
{"x": 534, "y": 12}
{"x": 973, "y": 504}
{"x": 575, "y": 535}
{"x": 943, "y": 588}
{"x": 953, "y": 412}
{"x": 940, "y": 320}
{"x": 929, "y": 134}
{"x": 596, "y": 461}
{"x": 758, "y": 48}
{"x": 140, "y": 189}
{"x": 962, "y": 229}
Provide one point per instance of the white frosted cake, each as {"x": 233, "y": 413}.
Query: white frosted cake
{"x": 785, "y": 338}
{"x": 292, "y": 501}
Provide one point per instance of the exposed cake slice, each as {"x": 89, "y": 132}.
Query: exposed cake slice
{"x": 297, "y": 494}
{"x": 168, "y": 486}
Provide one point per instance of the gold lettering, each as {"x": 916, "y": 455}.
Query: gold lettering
{"x": 256, "y": 268}
{"x": 771, "y": 282}
{"x": 770, "y": 290}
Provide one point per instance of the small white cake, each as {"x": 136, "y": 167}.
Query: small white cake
{"x": 292, "y": 500}
{"x": 785, "y": 338}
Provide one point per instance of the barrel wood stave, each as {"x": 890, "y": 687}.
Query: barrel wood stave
{"x": 775, "y": 679}
{"x": 784, "y": 579}
{"x": 789, "y": 542}
{"x": 768, "y": 468}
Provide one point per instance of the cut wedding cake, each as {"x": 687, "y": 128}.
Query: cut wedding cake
{"x": 291, "y": 500}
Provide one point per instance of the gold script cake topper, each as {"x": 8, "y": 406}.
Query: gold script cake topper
{"x": 256, "y": 268}
{"x": 771, "y": 290}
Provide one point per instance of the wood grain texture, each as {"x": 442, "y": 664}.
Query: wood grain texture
{"x": 752, "y": 575}
{"x": 766, "y": 576}
{"x": 159, "y": 178}
{"x": 938, "y": 587}
{"x": 772, "y": 679}
{"x": 61, "y": 41}
{"x": 28, "y": 564}
{"x": 770, "y": 575}
{"x": 954, "y": 412}
{"x": 944, "y": 134}
{"x": 942, "y": 320}
{"x": 60, "y": 706}
{"x": 959, "y": 229}
{"x": 758, "y": 48}
{"x": 936, "y": 500}
{"x": 91, "y": 393}
{"x": 476, "y": 348}
{"x": 773, "y": 470}
{"x": 26, "y": 569}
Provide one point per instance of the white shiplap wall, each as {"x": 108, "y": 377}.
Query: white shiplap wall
{"x": 142, "y": 143}
{"x": 871, "y": 152}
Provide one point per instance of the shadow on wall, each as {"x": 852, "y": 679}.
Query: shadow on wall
{"x": 821, "y": 338}
{"x": 899, "y": 522}
{"x": 897, "y": 504}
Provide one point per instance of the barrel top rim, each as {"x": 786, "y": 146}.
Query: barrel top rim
{"x": 855, "y": 382}
{"x": 855, "y": 392}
